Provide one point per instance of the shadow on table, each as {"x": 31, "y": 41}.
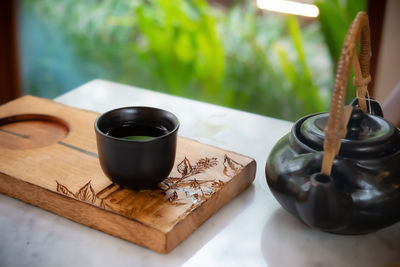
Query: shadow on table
{"x": 45, "y": 239}
{"x": 200, "y": 237}
{"x": 286, "y": 241}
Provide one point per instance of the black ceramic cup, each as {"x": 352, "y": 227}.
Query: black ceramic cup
{"x": 137, "y": 145}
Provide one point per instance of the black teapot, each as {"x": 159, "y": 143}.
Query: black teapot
{"x": 340, "y": 171}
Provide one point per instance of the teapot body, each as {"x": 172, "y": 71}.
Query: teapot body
{"x": 362, "y": 194}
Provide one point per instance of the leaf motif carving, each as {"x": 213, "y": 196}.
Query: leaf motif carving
{"x": 231, "y": 167}
{"x": 86, "y": 193}
{"x": 218, "y": 184}
{"x": 204, "y": 164}
{"x": 171, "y": 180}
{"x": 64, "y": 190}
{"x": 163, "y": 186}
{"x": 193, "y": 183}
{"x": 192, "y": 188}
{"x": 173, "y": 197}
{"x": 184, "y": 168}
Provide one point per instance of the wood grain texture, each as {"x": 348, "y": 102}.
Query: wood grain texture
{"x": 64, "y": 176}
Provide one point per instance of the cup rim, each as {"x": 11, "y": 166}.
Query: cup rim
{"x": 137, "y": 141}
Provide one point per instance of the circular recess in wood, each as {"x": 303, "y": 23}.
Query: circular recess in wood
{"x": 28, "y": 131}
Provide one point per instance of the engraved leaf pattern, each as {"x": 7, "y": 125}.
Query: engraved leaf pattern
{"x": 231, "y": 167}
{"x": 173, "y": 197}
{"x": 204, "y": 164}
{"x": 64, "y": 190}
{"x": 86, "y": 193}
{"x": 184, "y": 168}
{"x": 163, "y": 186}
{"x": 218, "y": 184}
{"x": 192, "y": 188}
{"x": 177, "y": 190}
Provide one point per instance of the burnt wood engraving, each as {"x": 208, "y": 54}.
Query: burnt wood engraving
{"x": 231, "y": 167}
{"x": 192, "y": 188}
{"x": 187, "y": 189}
{"x": 86, "y": 193}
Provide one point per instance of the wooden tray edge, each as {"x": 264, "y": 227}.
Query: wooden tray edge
{"x": 99, "y": 219}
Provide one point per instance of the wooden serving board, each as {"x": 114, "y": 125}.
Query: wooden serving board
{"x": 48, "y": 158}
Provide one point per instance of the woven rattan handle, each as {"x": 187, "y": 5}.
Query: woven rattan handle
{"x": 339, "y": 116}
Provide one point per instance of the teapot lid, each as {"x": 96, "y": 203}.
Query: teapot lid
{"x": 367, "y": 135}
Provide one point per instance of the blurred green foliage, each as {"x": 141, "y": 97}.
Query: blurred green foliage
{"x": 335, "y": 17}
{"x": 240, "y": 57}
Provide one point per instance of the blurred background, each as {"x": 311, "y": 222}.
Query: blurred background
{"x": 268, "y": 56}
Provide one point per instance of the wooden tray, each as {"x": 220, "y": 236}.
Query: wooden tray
{"x": 48, "y": 158}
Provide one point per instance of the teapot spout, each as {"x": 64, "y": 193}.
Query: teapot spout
{"x": 323, "y": 206}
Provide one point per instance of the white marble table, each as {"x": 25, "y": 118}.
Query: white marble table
{"x": 252, "y": 230}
